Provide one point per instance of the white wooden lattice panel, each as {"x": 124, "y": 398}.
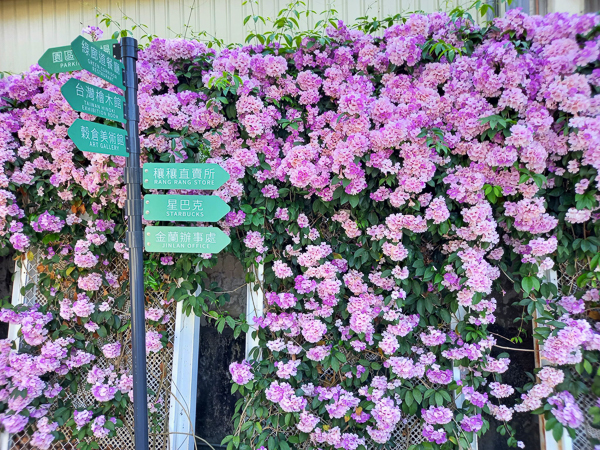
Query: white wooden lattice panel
{"x": 567, "y": 285}
{"x": 407, "y": 433}
{"x": 158, "y": 365}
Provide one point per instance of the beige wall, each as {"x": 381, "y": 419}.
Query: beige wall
{"x": 29, "y": 27}
{"x": 570, "y": 6}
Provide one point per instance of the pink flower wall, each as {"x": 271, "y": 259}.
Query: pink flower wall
{"x": 387, "y": 184}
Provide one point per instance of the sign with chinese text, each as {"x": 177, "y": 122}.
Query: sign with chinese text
{"x": 106, "y": 45}
{"x": 184, "y": 239}
{"x": 184, "y": 208}
{"x": 90, "y": 99}
{"x": 62, "y": 59}
{"x": 184, "y": 176}
{"x": 98, "y": 138}
{"x": 98, "y": 62}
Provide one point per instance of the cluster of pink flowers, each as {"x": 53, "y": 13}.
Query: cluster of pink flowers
{"x": 284, "y": 394}
{"x": 47, "y": 222}
{"x": 98, "y": 428}
{"x": 565, "y": 347}
{"x": 91, "y": 282}
{"x": 566, "y": 410}
{"x": 241, "y": 373}
{"x": 437, "y": 415}
{"x": 111, "y": 350}
{"x": 396, "y": 143}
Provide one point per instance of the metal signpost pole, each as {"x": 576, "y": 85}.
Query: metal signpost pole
{"x": 133, "y": 210}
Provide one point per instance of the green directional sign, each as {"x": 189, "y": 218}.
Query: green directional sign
{"x": 62, "y": 59}
{"x": 184, "y": 208}
{"x": 184, "y": 176}
{"x": 184, "y": 239}
{"x": 98, "y": 138}
{"x": 98, "y": 62}
{"x": 90, "y": 99}
{"x": 106, "y": 45}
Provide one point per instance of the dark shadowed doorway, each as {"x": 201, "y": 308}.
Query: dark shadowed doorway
{"x": 215, "y": 404}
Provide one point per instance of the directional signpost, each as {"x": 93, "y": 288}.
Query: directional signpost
{"x": 62, "y": 59}
{"x": 185, "y": 239}
{"x": 127, "y": 78}
{"x": 184, "y": 176}
{"x": 98, "y": 62}
{"x": 90, "y": 99}
{"x": 98, "y": 138}
{"x": 185, "y": 208}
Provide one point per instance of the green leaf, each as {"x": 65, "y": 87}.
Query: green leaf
{"x": 445, "y": 315}
{"x": 335, "y": 364}
{"x": 418, "y": 395}
{"x": 528, "y": 284}
{"x": 557, "y": 432}
{"x": 409, "y": 399}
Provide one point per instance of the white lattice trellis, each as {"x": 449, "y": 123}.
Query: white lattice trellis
{"x": 586, "y": 431}
{"x": 158, "y": 365}
{"x": 567, "y": 285}
{"x": 407, "y": 433}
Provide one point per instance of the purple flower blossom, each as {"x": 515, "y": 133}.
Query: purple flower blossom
{"x": 432, "y": 435}
{"x": 111, "y": 350}
{"x": 473, "y": 423}
{"x": 48, "y": 222}
{"x": 437, "y": 415}
{"x": 103, "y": 392}
{"x": 96, "y": 33}
{"x": 82, "y": 418}
{"x": 241, "y": 373}
{"x": 566, "y": 409}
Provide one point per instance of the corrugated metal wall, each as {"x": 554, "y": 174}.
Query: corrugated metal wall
{"x": 29, "y": 27}
{"x": 592, "y": 6}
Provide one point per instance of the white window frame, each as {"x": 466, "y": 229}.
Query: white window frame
{"x": 184, "y": 381}
{"x": 19, "y": 280}
{"x": 459, "y": 399}
{"x": 186, "y": 345}
{"x": 547, "y": 441}
{"x": 254, "y": 307}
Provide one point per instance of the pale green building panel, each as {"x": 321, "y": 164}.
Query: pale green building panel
{"x": 29, "y": 27}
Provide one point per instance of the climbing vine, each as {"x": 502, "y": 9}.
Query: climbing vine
{"x": 388, "y": 176}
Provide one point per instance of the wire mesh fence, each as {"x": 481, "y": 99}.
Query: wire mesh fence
{"x": 158, "y": 365}
{"x": 408, "y": 432}
{"x": 567, "y": 285}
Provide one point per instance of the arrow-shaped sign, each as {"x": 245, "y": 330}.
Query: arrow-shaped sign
{"x": 98, "y": 62}
{"x": 90, "y": 99}
{"x": 184, "y": 176}
{"x": 184, "y": 208}
{"x": 98, "y": 138}
{"x": 184, "y": 239}
{"x": 62, "y": 59}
